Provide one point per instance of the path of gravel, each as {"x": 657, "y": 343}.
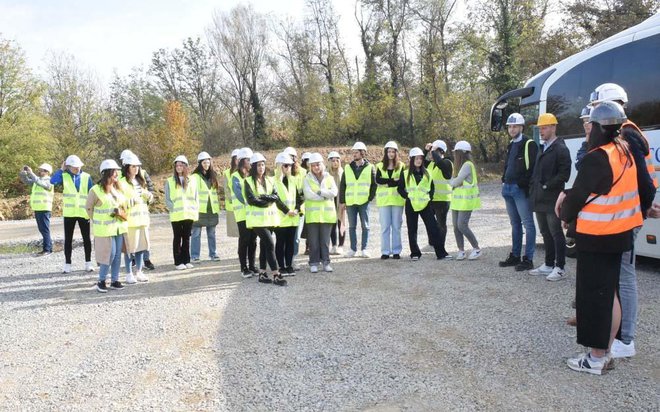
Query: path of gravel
{"x": 381, "y": 336}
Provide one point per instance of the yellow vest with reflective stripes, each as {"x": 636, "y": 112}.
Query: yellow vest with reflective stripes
{"x": 466, "y": 196}
{"x": 386, "y": 195}
{"x": 261, "y": 216}
{"x": 320, "y": 211}
{"x": 75, "y": 200}
{"x": 138, "y": 214}
{"x": 41, "y": 200}
{"x": 229, "y": 194}
{"x": 238, "y": 207}
{"x": 103, "y": 224}
{"x": 204, "y": 193}
{"x": 357, "y": 190}
{"x": 418, "y": 193}
{"x": 288, "y": 195}
{"x": 441, "y": 187}
{"x": 185, "y": 205}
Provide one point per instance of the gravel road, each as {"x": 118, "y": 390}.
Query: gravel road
{"x": 373, "y": 335}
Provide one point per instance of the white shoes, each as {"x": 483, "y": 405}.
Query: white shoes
{"x": 181, "y": 267}
{"x": 189, "y": 266}
{"x": 314, "y": 269}
{"x": 130, "y": 279}
{"x": 542, "y": 270}
{"x": 621, "y": 350}
{"x": 67, "y": 268}
{"x": 89, "y": 267}
{"x": 474, "y": 254}
{"x": 327, "y": 268}
{"x": 333, "y": 250}
{"x": 460, "y": 255}
{"x": 350, "y": 253}
{"x": 140, "y": 277}
{"x": 364, "y": 254}
{"x": 556, "y": 274}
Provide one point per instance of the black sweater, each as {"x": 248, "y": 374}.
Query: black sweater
{"x": 263, "y": 200}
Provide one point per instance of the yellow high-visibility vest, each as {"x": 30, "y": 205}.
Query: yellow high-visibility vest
{"x": 261, "y": 216}
{"x": 320, "y": 211}
{"x": 41, "y": 200}
{"x": 288, "y": 195}
{"x": 138, "y": 214}
{"x": 185, "y": 205}
{"x": 386, "y": 195}
{"x": 441, "y": 187}
{"x": 466, "y": 196}
{"x": 418, "y": 193}
{"x": 74, "y": 204}
{"x": 104, "y": 224}
{"x": 229, "y": 192}
{"x": 357, "y": 190}
{"x": 204, "y": 193}
{"x": 239, "y": 208}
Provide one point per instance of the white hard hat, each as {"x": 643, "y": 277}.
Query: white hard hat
{"x": 235, "y": 152}
{"x": 463, "y": 145}
{"x": 46, "y": 167}
{"x": 73, "y": 161}
{"x": 290, "y": 151}
{"x": 315, "y": 158}
{"x": 333, "y": 155}
{"x": 608, "y": 92}
{"x": 244, "y": 153}
{"x": 306, "y": 155}
{"x": 283, "y": 158}
{"x": 257, "y": 157}
{"x": 125, "y": 153}
{"x": 203, "y": 156}
{"x": 182, "y": 159}
{"x": 359, "y": 146}
{"x": 515, "y": 119}
{"x": 389, "y": 145}
{"x": 439, "y": 144}
{"x": 415, "y": 151}
{"x": 586, "y": 112}
{"x": 132, "y": 159}
{"x": 109, "y": 164}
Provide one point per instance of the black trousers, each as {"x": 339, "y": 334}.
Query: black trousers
{"x": 441, "y": 209}
{"x": 247, "y": 246}
{"x": 181, "y": 241}
{"x": 266, "y": 248}
{"x": 431, "y": 230}
{"x": 69, "y": 226}
{"x": 554, "y": 240}
{"x": 286, "y": 242}
{"x": 336, "y": 233}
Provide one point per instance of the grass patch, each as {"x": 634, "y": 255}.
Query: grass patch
{"x": 18, "y": 249}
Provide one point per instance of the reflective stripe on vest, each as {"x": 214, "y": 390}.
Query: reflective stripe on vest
{"x": 288, "y": 195}
{"x": 74, "y": 201}
{"x": 237, "y": 206}
{"x": 357, "y": 190}
{"x": 103, "y": 223}
{"x": 441, "y": 187}
{"x": 138, "y": 214}
{"x": 466, "y": 196}
{"x": 386, "y": 195}
{"x": 229, "y": 193}
{"x": 185, "y": 205}
{"x": 320, "y": 211}
{"x": 619, "y": 210}
{"x": 255, "y": 216}
{"x": 648, "y": 158}
{"x": 204, "y": 193}
{"x": 41, "y": 200}
{"x": 418, "y": 193}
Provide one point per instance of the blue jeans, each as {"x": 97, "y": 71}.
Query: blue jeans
{"x": 139, "y": 261}
{"x": 628, "y": 293}
{"x": 43, "y": 223}
{"x": 115, "y": 260}
{"x": 196, "y": 241}
{"x": 353, "y": 211}
{"x": 391, "y": 219}
{"x": 520, "y": 214}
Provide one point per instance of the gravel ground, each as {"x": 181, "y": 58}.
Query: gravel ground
{"x": 376, "y": 336}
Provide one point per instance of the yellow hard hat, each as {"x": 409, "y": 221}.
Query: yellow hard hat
{"x": 546, "y": 119}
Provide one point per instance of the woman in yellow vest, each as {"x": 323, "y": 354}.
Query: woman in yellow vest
{"x": 302, "y": 231}
{"x": 390, "y": 204}
{"x": 181, "y": 200}
{"x": 286, "y": 185}
{"x": 106, "y": 207}
{"x": 441, "y": 169}
{"x": 247, "y": 239}
{"x": 338, "y": 233}
{"x": 606, "y": 204}
{"x": 75, "y": 187}
{"x": 262, "y": 216}
{"x": 416, "y": 187}
{"x": 206, "y": 180}
{"x": 320, "y": 191}
{"x": 41, "y": 201}
{"x": 464, "y": 199}
{"x": 134, "y": 186}
{"x": 232, "y": 229}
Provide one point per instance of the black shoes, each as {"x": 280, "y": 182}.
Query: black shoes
{"x": 278, "y": 280}
{"x": 149, "y": 265}
{"x": 510, "y": 261}
{"x": 101, "y": 287}
{"x": 384, "y": 257}
{"x": 525, "y": 264}
{"x": 44, "y": 253}
{"x": 116, "y": 285}
{"x": 254, "y": 270}
{"x": 263, "y": 278}
{"x": 396, "y": 256}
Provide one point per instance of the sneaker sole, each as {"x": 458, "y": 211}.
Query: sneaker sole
{"x": 101, "y": 290}
{"x": 591, "y": 371}
{"x": 554, "y": 279}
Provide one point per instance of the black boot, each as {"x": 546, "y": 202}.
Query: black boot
{"x": 510, "y": 261}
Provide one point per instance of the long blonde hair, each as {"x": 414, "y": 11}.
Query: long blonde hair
{"x": 336, "y": 173}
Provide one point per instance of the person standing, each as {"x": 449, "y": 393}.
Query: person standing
{"x": 521, "y": 154}
{"x": 232, "y": 228}
{"x": 389, "y": 201}
{"x": 356, "y": 189}
{"x": 320, "y": 191}
{"x": 286, "y": 186}
{"x": 338, "y": 233}
{"x": 247, "y": 239}
{"x": 75, "y": 188}
{"x": 464, "y": 199}
{"x": 182, "y": 202}
{"x": 206, "y": 180}
{"x": 106, "y": 207}
{"x": 41, "y": 201}
{"x": 136, "y": 240}
{"x": 441, "y": 170}
{"x": 551, "y": 172}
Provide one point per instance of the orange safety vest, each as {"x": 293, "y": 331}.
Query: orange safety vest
{"x": 648, "y": 158}
{"x": 619, "y": 210}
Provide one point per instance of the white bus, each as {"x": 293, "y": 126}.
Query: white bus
{"x": 631, "y": 59}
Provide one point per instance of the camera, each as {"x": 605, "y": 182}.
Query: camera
{"x": 115, "y": 212}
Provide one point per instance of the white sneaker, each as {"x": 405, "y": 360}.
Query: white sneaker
{"x": 189, "y": 266}
{"x": 350, "y": 253}
{"x": 140, "y": 277}
{"x": 542, "y": 270}
{"x": 333, "y": 251}
{"x": 364, "y": 254}
{"x": 67, "y": 268}
{"x": 555, "y": 275}
{"x": 215, "y": 258}
{"x": 130, "y": 279}
{"x": 340, "y": 250}
{"x": 621, "y": 350}
{"x": 327, "y": 268}
{"x": 460, "y": 256}
{"x": 474, "y": 254}
{"x": 180, "y": 267}
{"x": 89, "y": 267}
{"x": 314, "y": 269}
{"x": 585, "y": 363}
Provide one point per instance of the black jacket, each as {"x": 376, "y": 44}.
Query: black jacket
{"x": 551, "y": 171}
{"x": 523, "y": 174}
{"x": 639, "y": 149}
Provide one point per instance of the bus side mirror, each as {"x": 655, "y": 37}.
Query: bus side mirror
{"x": 496, "y": 119}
